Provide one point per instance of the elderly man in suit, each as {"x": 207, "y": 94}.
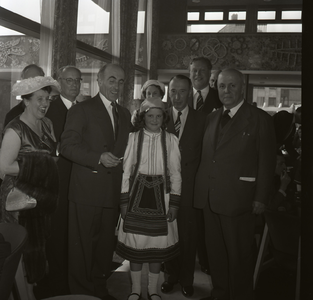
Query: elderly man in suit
{"x": 188, "y": 125}
{"x": 94, "y": 139}
{"x": 233, "y": 184}
{"x": 69, "y": 78}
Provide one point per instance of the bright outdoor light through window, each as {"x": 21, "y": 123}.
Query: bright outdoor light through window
{"x": 266, "y": 15}
{"x": 193, "y": 16}
{"x": 291, "y": 15}
{"x": 237, "y": 15}
{"x": 213, "y": 16}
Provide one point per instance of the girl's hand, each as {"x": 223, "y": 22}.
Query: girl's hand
{"x": 123, "y": 211}
{"x": 172, "y": 214}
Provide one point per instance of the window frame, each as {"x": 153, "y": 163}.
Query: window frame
{"x": 249, "y": 18}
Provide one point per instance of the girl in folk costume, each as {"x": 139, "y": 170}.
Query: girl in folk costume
{"x": 150, "y": 197}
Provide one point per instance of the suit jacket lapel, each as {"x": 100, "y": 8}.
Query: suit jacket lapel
{"x": 188, "y": 130}
{"x": 170, "y": 124}
{"x": 241, "y": 120}
{"x": 123, "y": 124}
{"x": 102, "y": 116}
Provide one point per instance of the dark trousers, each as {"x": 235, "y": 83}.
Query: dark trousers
{"x": 57, "y": 249}
{"x": 230, "y": 245}
{"x": 181, "y": 269}
{"x": 91, "y": 247}
{"x": 201, "y": 244}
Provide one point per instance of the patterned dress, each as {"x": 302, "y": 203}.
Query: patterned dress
{"x": 146, "y": 239}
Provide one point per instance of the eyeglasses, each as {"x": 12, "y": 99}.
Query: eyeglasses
{"x": 71, "y": 81}
{"x": 53, "y": 97}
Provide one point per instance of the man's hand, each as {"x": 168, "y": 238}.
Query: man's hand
{"x": 257, "y": 207}
{"x": 109, "y": 160}
{"x": 172, "y": 214}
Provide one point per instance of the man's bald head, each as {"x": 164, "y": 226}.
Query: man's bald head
{"x": 31, "y": 71}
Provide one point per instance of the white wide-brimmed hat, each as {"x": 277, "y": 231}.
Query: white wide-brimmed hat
{"x": 30, "y": 85}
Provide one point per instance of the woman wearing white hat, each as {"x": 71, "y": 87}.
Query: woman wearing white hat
{"x": 27, "y": 167}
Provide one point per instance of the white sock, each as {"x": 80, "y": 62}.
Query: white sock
{"x": 153, "y": 283}
{"x": 136, "y": 281}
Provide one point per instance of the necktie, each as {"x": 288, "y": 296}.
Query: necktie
{"x": 225, "y": 118}
{"x": 73, "y": 103}
{"x": 115, "y": 118}
{"x": 177, "y": 124}
{"x": 199, "y": 101}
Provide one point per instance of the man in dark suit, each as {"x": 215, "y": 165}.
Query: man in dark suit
{"x": 233, "y": 184}
{"x": 69, "y": 78}
{"x": 28, "y": 72}
{"x": 188, "y": 125}
{"x": 94, "y": 139}
{"x": 204, "y": 98}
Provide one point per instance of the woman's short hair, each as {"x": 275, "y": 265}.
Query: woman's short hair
{"x": 45, "y": 88}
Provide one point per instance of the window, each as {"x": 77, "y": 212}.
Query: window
{"x": 141, "y": 42}
{"x": 271, "y": 28}
{"x": 237, "y": 15}
{"x": 273, "y": 99}
{"x": 213, "y": 16}
{"x": 279, "y": 20}
{"x": 266, "y": 15}
{"x": 231, "y": 20}
{"x": 193, "y": 16}
{"x": 93, "y": 24}
{"x": 291, "y": 15}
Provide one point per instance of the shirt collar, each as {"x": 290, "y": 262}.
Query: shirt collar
{"x": 204, "y": 91}
{"x": 184, "y": 112}
{"x": 106, "y": 102}
{"x": 67, "y": 103}
{"x": 234, "y": 110}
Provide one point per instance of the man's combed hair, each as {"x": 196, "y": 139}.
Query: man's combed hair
{"x": 203, "y": 59}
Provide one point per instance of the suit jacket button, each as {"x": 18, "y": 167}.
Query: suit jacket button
{"x": 109, "y": 172}
{"x": 213, "y": 161}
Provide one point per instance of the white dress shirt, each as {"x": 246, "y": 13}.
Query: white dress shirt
{"x": 204, "y": 94}
{"x": 108, "y": 107}
{"x": 67, "y": 102}
{"x": 233, "y": 110}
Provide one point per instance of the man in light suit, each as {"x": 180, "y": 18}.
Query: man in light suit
{"x": 190, "y": 133}
{"x": 94, "y": 139}
{"x": 69, "y": 78}
{"x": 204, "y": 98}
{"x": 232, "y": 185}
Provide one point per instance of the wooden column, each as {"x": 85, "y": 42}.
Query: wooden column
{"x": 65, "y": 28}
{"x": 129, "y": 11}
{"x": 252, "y": 19}
{"x": 155, "y": 39}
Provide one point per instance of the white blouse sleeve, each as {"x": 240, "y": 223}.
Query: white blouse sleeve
{"x": 174, "y": 164}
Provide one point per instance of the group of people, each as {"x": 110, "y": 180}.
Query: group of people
{"x": 200, "y": 169}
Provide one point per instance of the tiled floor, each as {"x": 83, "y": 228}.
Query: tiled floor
{"x": 120, "y": 285}
{"x": 274, "y": 284}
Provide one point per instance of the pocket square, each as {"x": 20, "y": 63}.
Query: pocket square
{"x": 250, "y": 179}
